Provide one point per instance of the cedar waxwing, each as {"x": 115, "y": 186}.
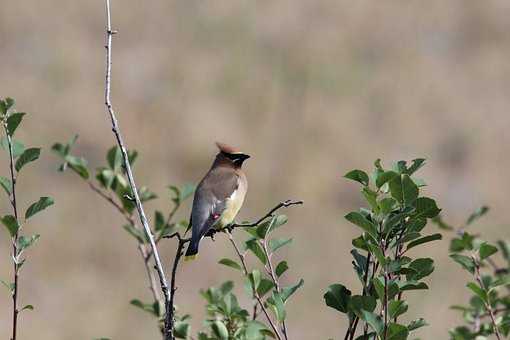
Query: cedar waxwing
{"x": 219, "y": 196}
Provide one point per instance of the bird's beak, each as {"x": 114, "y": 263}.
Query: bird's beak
{"x": 245, "y": 157}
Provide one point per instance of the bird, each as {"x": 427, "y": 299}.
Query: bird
{"x": 218, "y": 197}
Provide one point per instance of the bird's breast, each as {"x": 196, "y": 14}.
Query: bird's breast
{"x": 232, "y": 207}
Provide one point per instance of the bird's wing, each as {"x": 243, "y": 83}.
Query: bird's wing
{"x": 211, "y": 199}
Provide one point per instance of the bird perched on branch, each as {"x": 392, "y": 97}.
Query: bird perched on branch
{"x": 219, "y": 196}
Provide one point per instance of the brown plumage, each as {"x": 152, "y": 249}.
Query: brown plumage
{"x": 219, "y": 195}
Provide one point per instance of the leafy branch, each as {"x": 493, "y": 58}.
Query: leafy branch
{"x": 18, "y": 157}
{"x": 263, "y": 249}
{"x": 392, "y": 225}
{"x": 112, "y": 186}
{"x": 476, "y": 256}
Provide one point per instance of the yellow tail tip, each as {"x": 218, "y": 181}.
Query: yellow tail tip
{"x": 190, "y": 257}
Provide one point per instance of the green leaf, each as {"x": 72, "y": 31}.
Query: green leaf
{"x": 360, "y": 263}
{"x": 136, "y": 233}
{"x": 13, "y": 122}
{"x": 29, "y": 155}
{"x": 502, "y": 281}
{"x": 226, "y": 287}
{"x": 281, "y": 268}
{"x": 25, "y": 242}
{"x": 377, "y": 252}
{"x": 179, "y": 195}
{"x": 17, "y": 147}
{"x": 257, "y": 250}
{"x": 360, "y": 243}
{"x": 187, "y": 190}
{"x": 11, "y": 224}
{"x": 371, "y": 197}
{"x": 397, "y": 308}
{"x": 8, "y": 103}
{"x": 397, "y": 332}
{"x": 105, "y": 177}
{"x": 114, "y": 158}
{"x": 358, "y": 176}
{"x": 275, "y": 244}
{"x": 486, "y": 250}
{"x": 505, "y": 249}
{"x": 159, "y": 221}
{"x": 277, "y": 303}
{"x": 230, "y": 263}
{"x": 360, "y": 220}
{"x": 264, "y": 287}
{"x": 411, "y": 285}
{"x": 220, "y": 330}
{"x": 256, "y": 330}
{"x": 400, "y": 166}
{"x": 395, "y": 185}
{"x": 145, "y": 194}
{"x": 477, "y": 214}
{"x": 79, "y": 165}
{"x": 260, "y": 231}
{"x": 6, "y": 184}
{"x": 426, "y": 207}
{"x": 288, "y": 291}
{"x": 393, "y": 288}
{"x": 417, "y": 164}
{"x": 387, "y": 205}
{"x": 27, "y": 307}
{"x": 375, "y": 322}
{"x": 276, "y": 222}
{"x": 466, "y": 262}
{"x": 152, "y": 308}
{"x": 38, "y": 206}
{"x": 481, "y": 293}
{"x": 60, "y": 149}
{"x": 415, "y": 324}
{"x": 3, "y": 107}
{"x": 9, "y": 286}
{"x": 424, "y": 239}
{"x": 441, "y": 223}
{"x": 181, "y": 329}
{"x": 419, "y": 182}
{"x": 422, "y": 267}
{"x": 409, "y": 190}
{"x": 359, "y": 303}
{"x": 385, "y": 177}
{"x": 254, "y": 278}
{"x": 338, "y": 297}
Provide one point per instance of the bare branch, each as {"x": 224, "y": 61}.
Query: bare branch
{"x": 168, "y": 327}
{"x": 284, "y": 204}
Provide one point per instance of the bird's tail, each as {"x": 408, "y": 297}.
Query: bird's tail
{"x": 192, "y": 251}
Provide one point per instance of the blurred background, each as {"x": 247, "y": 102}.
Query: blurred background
{"x": 311, "y": 89}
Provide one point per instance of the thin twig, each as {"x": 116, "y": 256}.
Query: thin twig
{"x": 255, "y": 294}
{"x": 142, "y": 248}
{"x": 284, "y": 204}
{"x": 487, "y": 303}
{"x": 275, "y": 280}
{"x": 168, "y": 326}
{"x": 111, "y": 201}
{"x": 178, "y": 255}
{"x": 15, "y": 252}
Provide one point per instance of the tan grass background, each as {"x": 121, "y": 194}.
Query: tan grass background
{"x": 310, "y": 88}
